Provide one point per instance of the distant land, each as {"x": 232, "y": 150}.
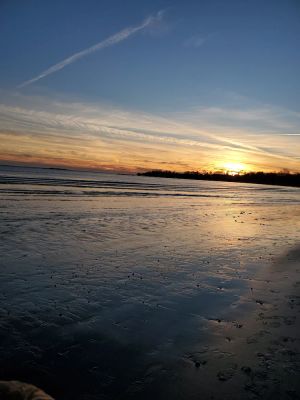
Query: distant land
{"x": 93, "y": 171}
{"x": 33, "y": 166}
{"x": 265, "y": 178}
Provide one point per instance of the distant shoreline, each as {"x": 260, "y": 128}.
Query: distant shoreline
{"x": 261, "y": 178}
{"x": 34, "y": 167}
{"x": 63, "y": 169}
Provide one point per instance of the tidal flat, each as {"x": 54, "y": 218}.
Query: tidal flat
{"x": 125, "y": 287}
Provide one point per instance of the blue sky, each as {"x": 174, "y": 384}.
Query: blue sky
{"x": 235, "y": 56}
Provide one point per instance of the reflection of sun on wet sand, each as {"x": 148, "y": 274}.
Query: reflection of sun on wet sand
{"x": 139, "y": 296}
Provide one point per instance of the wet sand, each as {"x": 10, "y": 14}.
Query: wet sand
{"x": 254, "y": 353}
{"x": 183, "y": 296}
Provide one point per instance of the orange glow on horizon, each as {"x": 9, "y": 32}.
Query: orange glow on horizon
{"x": 131, "y": 155}
{"x": 234, "y": 168}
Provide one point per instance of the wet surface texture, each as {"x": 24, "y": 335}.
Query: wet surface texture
{"x": 189, "y": 290}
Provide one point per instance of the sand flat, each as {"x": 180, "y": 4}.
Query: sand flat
{"x": 157, "y": 288}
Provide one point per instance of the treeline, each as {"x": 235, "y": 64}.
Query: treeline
{"x": 267, "y": 178}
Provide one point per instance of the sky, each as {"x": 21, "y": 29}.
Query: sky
{"x": 129, "y": 86}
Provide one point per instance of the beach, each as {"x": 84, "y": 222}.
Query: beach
{"x": 126, "y": 287}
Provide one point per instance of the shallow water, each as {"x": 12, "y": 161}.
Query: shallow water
{"x": 108, "y": 282}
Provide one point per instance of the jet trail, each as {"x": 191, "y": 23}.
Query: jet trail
{"x": 110, "y": 41}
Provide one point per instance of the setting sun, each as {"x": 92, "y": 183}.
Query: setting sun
{"x": 149, "y": 199}
{"x": 233, "y": 168}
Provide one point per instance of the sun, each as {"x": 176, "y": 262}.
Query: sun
{"x": 233, "y": 168}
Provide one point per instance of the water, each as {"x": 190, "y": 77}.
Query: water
{"x": 108, "y": 282}
{"x": 35, "y": 181}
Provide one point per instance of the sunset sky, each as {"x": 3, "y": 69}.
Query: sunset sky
{"x": 129, "y": 86}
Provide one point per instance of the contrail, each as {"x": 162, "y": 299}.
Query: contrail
{"x": 110, "y": 41}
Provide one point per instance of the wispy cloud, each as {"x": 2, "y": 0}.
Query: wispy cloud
{"x": 197, "y": 40}
{"x": 97, "y": 134}
{"x": 110, "y": 41}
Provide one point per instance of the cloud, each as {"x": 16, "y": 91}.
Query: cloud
{"x": 258, "y": 119}
{"x": 195, "y": 41}
{"x": 90, "y": 134}
{"x": 198, "y": 40}
{"x": 110, "y": 41}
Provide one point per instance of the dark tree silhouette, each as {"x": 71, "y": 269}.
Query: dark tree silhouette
{"x": 266, "y": 178}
